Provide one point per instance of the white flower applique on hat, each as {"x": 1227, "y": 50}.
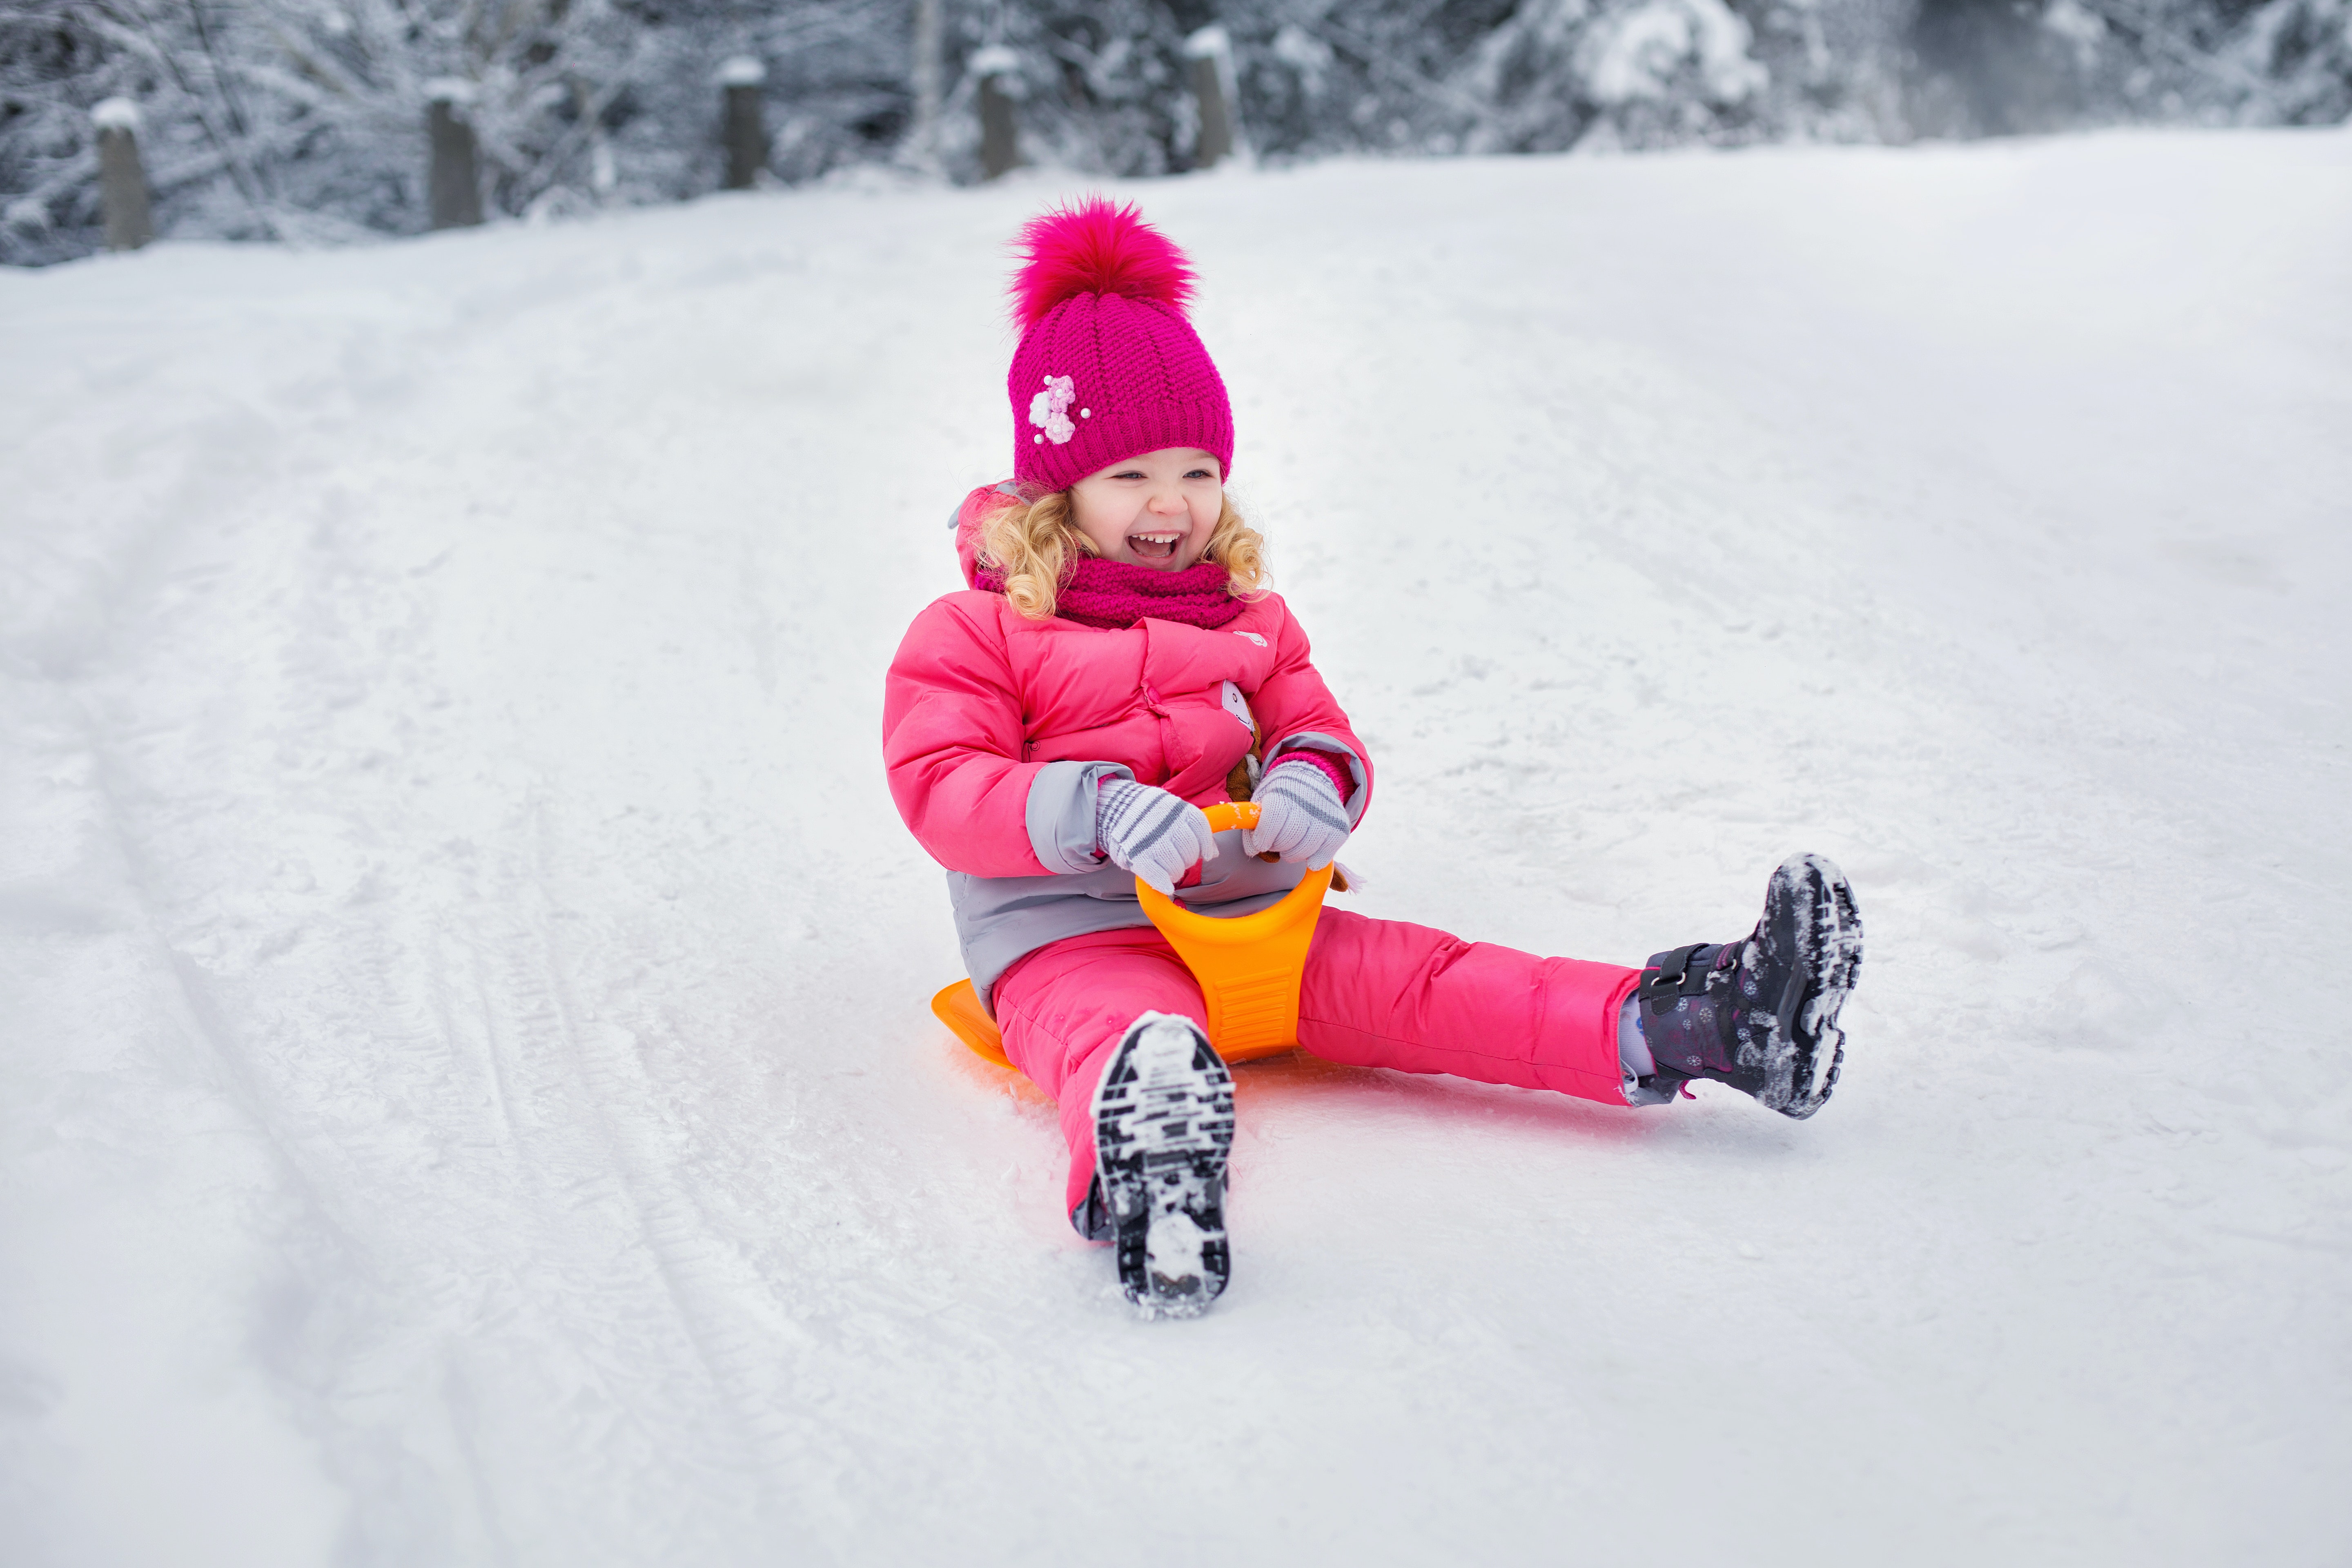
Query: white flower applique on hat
{"x": 1050, "y": 411}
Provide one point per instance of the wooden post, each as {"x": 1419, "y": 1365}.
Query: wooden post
{"x": 1209, "y": 61}
{"x": 746, "y": 135}
{"x": 923, "y": 136}
{"x": 455, "y": 191}
{"x": 999, "y": 71}
{"x": 122, "y": 182}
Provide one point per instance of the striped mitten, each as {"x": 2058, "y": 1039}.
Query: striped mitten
{"x": 1301, "y": 815}
{"x": 1150, "y": 832}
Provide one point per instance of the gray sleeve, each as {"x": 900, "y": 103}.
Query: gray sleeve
{"x": 1305, "y": 741}
{"x": 1062, "y": 814}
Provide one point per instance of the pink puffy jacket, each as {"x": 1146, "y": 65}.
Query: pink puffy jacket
{"x": 997, "y": 731}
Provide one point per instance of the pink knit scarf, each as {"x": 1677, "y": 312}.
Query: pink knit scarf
{"x": 1114, "y": 595}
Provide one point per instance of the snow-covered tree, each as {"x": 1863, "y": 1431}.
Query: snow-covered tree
{"x": 2301, "y": 49}
{"x": 304, "y": 119}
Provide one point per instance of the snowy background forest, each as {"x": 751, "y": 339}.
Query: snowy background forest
{"x": 303, "y": 120}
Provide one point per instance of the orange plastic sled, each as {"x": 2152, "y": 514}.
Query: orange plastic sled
{"x": 1248, "y": 966}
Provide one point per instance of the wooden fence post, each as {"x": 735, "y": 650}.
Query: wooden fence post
{"x": 999, "y": 71}
{"x": 923, "y": 137}
{"x": 455, "y": 188}
{"x": 122, "y": 182}
{"x": 746, "y": 133}
{"x": 1209, "y": 61}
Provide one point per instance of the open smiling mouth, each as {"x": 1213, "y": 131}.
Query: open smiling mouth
{"x": 1152, "y": 548}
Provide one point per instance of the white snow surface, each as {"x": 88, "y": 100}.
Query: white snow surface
{"x": 469, "y": 1096}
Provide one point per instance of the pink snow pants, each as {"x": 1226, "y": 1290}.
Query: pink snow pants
{"x": 1376, "y": 994}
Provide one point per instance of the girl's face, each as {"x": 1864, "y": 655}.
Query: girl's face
{"x": 1157, "y": 510}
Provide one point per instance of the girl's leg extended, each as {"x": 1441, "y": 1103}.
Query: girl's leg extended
{"x": 1388, "y": 994}
{"x": 1064, "y": 1008}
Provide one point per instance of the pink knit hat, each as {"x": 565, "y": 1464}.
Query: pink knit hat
{"x": 1107, "y": 367}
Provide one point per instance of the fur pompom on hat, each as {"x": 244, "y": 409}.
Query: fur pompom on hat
{"x": 1107, "y": 368}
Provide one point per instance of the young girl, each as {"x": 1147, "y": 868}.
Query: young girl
{"x": 1114, "y": 665}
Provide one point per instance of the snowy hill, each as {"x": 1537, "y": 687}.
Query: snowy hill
{"x": 469, "y": 1095}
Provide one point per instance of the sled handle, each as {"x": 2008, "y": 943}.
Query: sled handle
{"x": 1227, "y": 814}
{"x": 1248, "y": 966}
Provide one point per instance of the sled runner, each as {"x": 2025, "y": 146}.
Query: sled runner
{"x": 1248, "y": 966}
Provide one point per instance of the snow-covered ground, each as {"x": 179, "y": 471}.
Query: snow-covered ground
{"x": 467, "y": 1093}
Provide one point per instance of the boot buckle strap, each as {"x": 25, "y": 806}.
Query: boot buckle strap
{"x": 1669, "y": 976}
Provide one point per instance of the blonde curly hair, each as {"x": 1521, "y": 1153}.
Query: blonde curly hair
{"x": 1034, "y": 544}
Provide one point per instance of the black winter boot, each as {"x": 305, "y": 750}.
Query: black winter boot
{"x": 1163, "y": 1126}
{"x": 1760, "y": 1014}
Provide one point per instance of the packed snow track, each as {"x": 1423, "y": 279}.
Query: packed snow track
{"x": 466, "y": 1089}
